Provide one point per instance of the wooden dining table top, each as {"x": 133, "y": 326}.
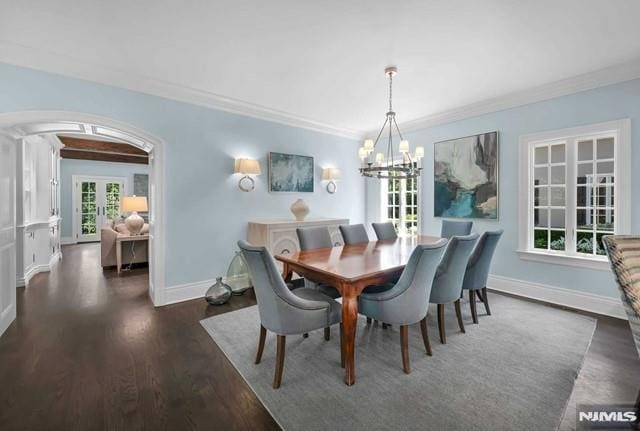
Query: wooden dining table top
{"x": 353, "y": 262}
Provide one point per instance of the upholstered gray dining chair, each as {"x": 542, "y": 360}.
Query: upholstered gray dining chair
{"x": 385, "y": 230}
{"x": 477, "y": 272}
{"x": 447, "y": 283}
{"x": 624, "y": 255}
{"x": 407, "y": 302}
{"x": 283, "y": 311}
{"x": 354, "y": 234}
{"x": 309, "y": 239}
{"x": 455, "y": 228}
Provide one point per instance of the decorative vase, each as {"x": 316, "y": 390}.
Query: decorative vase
{"x": 219, "y": 293}
{"x": 238, "y": 275}
{"x": 300, "y": 209}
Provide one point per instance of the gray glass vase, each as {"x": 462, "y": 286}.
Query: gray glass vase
{"x": 219, "y": 293}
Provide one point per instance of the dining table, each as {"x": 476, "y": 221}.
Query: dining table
{"x": 350, "y": 269}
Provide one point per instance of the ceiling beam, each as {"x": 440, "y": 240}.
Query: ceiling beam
{"x": 103, "y": 156}
{"x": 94, "y": 145}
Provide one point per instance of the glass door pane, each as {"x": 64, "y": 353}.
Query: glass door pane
{"x": 113, "y": 191}
{"x": 88, "y": 211}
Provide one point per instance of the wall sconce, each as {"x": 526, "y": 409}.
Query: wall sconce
{"x": 247, "y": 167}
{"x": 331, "y": 175}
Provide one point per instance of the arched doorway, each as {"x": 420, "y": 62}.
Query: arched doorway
{"x": 19, "y": 125}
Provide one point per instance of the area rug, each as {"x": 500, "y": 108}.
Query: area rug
{"x": 514, "y": 370}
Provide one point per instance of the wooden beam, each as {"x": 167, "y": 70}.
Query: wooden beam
{"x": 90, "y": 144}
{"x": 104, "y": 157}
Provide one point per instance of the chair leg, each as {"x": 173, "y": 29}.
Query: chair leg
{"x": 341, "y": 346}
{"x": 479, "y": 295}
{"x": 404, "y": 344}
{"x": 459, "y": 315}
{"x": 384, "y": 326}
{"x": 277, "y": 378}
{"x": 443, "y": 335}
{"x": 368, "y": 320}
{"x": 263, "y": 336}
{"x": 305, "y": 335}
{"x": 327, "y": 333}
{"x": 425, "y": 336}
{"x": 485, "y": 299}
{"x": 472, "y": 303}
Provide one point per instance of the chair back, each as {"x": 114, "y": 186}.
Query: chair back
{"x": 455, "y": 228}
{"x": 409, "y": 298}
{"x": 447, "y": 283}
{"x": 354, "y": 234}
{"x": 314, "y": 237}
{"x": 624, "y": 255}
{"x": 385, "y": 230}
{"x": 271, "y": 291}
{"x": 479, "y": 264}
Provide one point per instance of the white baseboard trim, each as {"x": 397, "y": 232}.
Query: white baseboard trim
{"x": 37, "y": 269}
{"x": 185, "y": 292}
{"x": 557, "y": 295}
{"x": 68, "y": 240}
{"x": 6, "y": 317}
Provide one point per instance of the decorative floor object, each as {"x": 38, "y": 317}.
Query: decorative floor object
{"x": 515, "y": 370}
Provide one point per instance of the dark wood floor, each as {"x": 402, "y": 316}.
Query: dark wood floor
{"x": 89, "y": 351}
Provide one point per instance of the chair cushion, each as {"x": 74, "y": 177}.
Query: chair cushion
{"x": 315, "y": 295}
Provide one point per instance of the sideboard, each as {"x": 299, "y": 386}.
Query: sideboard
{"x": 279, "y": 236}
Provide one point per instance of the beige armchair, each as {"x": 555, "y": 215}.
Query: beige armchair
{"x": 108, "y": 234}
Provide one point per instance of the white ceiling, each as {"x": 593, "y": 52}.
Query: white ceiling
{"x": 323, "y": 60}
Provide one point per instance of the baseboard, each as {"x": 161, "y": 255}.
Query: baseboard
{"x": 557, "y": 295}
{"x": 185, "y": 292}
{"x": 37, "y": 269}
{"x": 6, "y": 317}
{"x": 68, "y": 240}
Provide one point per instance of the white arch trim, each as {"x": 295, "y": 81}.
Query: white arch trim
{"x": 21, "y": 124}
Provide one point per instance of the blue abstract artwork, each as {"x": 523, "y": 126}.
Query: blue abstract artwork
{"x": 290, "y": 173}
{"x": 466, "y": 177}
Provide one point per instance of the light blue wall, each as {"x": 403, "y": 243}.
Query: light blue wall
{"x": 70, "y": 167}
{"x": 205, "y": 212}
{"x": 604, "y": 104}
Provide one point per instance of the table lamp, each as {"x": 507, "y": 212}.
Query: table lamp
{"x": 133, "y": 204}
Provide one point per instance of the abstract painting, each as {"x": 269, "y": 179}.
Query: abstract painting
{"x": 290, "y": 173}
{"x": 466, "y": 177}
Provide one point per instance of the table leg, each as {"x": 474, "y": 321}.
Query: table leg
{"x": 118, "y": 255}
{"x": 287, "y": 273}
{"x": 349, "y": 322}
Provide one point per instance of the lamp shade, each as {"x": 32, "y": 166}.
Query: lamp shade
{"x": 404, "y": 146}
{"x": 330, "y": 174}
{"x": 133, "y": 203}
{"x": 369, "y": 144}
{"x": 419, "y": 152}
{"x": 247, "y": 167}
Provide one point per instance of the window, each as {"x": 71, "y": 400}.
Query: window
{"x": 574, "y": 189}
{"x": 400, "y": 204}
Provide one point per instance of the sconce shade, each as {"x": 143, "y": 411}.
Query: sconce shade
{"x": 247, "y": 167}
{"x": 330, "y": 174}
{"x": 133, "y": 203}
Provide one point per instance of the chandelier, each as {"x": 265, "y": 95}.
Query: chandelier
{"x": 400, "y": 166}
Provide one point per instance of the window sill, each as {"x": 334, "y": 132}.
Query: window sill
{"x": 594, "y": 263}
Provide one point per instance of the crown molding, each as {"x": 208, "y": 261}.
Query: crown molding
{"x": 587, "y": 81}
{"x": 66, "y": 65}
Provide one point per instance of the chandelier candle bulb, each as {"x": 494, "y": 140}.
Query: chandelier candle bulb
{"x": 404, "y": 146}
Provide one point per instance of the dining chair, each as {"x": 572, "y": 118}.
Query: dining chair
{"x": 477, "y": 272}
{"x": 624, "y": 255}
{"x": 354, "y": 234}
{"x": 407, "y": 302}
{"x": 311, "y": 238}
{"x": 385, "y": 230}
{"x": 455, "y": 228}
{"x": 447, "y": 283}
{"x": 283, "y": 311}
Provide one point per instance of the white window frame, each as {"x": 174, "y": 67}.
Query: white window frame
{"x": 384, "y": 204}
{"x": 621, "y": 130}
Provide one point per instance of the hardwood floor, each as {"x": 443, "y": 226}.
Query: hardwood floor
{"x": 89, "y": 351}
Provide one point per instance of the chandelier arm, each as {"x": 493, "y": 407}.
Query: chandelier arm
{"x": 397, "y": 128}
{"x": 390, "y": 146}
{"x": 381, "y": 130}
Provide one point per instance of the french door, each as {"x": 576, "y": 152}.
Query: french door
{"x": 97, "y": 200}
